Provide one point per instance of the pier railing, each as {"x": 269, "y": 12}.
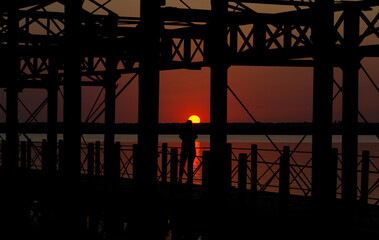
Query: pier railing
{"x": 251, "y": 169}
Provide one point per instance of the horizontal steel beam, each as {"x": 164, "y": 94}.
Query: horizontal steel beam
{"x": 277, "y": 2}
{"x": 4, "y": 5}
{"x": 203, "y": 16}
{"x": 369, "y": 51}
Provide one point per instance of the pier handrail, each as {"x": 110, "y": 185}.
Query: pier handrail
{"x": 267, "y": 172}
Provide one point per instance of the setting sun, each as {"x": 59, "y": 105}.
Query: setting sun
{"x": 194, "y": 119}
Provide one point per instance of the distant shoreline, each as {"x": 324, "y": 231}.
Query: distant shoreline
{"x": 293, "y": 128}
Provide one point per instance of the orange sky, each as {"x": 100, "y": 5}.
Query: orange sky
{"x": 271, "y": 95}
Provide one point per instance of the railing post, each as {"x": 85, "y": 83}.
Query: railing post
{"x": 23, "y": 155}
{"x": 229, "y": 165}
{"x": 44, "y": 155}
{"x": 60, "y": 155}
{"x": 135, "y": 156}
{"x": 97, "y": 158}
{"x": 164, "y": 163}
{"x": 115, "y": 176}
{"x": 90, "y": 159}
{"x": 334, "y": 174}
{"x": 206, "y": 170}
{"x": 29, "y": 154}
{"x": 174, "y": 166}
{"x": 242, "y": 174}
{"x": 190, "y": 172}
{"x": 3, "y": 151}
{"x": 254, "y": 169}
{"x": 365, "y": 177}
{"x": 284, "y": 173}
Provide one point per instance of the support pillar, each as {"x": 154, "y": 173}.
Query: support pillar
{"x": 10, "y": 203}
{"x": 111, "y": 150}
{"x": 72, "y": 93}
{"x": 322, "y": 36}
{"x": 50, "y": 148}
{"x": 350, "y": 68}
{"x": 216, "y": 191}
{"x": 148, "y": 107}
{"x": 52, "y": 116}
{"x": 218, "y": 109}
{"x": 70, "y": 220}
{"x": 147, "y": 214}
{"x": 11, "y": 65}
{"x": 110, "y": 163}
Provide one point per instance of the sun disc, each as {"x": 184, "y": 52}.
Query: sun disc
{"x": 194, "y": 119}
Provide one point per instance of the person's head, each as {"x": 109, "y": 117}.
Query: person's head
{"x": 189, "y": 123}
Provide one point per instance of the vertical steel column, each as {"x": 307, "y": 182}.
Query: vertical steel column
{"x": 12, "y": 68}
{"x": 218, "y": 109}
{"x": 146, "y": 214}
{"x": 148, "y": 107}
{"x": 72, "y": 92}
{"x": 10, "y": 203}
{"x": 111, "y": 150}
{"x": 110, "y": 163}
{"x": 351, "y": 66}
{"x": 71, "y": 221}
{"x": 218, "y": 175}
{"x": 52, "y": 115}
{"x": 322, "y": 36}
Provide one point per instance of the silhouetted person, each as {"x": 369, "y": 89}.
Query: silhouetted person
{"x": 188, "y": 137}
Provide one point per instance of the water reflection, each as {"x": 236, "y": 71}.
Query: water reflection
{"x": 196, "y": 164}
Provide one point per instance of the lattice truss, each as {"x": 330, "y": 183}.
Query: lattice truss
{"x": 253, "y": 38}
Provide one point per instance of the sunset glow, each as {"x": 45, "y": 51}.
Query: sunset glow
{"x": 194, "y": 119}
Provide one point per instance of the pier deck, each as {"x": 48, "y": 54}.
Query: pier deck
{"x": 189, "y": 212}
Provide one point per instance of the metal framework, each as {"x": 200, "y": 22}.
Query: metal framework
{"x": 87, "y": 45}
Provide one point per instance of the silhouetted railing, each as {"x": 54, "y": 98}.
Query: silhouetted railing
{"x": 251, "y": 169}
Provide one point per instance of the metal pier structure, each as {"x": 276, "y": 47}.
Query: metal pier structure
{"x": 64, "y": 47}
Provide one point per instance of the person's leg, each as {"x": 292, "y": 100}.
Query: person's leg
{"x": 183, "y": 158}
{"x": 191, "y": 158}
